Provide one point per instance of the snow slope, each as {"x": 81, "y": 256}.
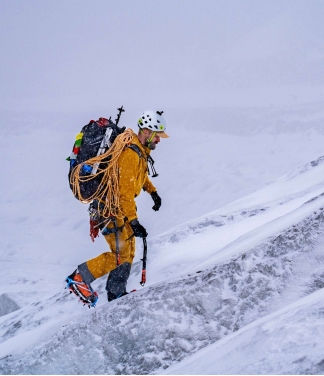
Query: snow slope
{"x": 207, "y": 279}
{"x": 289, "y": 341}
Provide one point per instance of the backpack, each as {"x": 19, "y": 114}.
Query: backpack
{"x": 93, "y": 140}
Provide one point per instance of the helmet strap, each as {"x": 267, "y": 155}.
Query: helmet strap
{"x": 151, "y": 138}
{"x": 148, "y": 140}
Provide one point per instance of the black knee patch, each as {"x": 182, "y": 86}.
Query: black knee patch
{"x": 85, "y": 273}
{"x": 117, "y": 281}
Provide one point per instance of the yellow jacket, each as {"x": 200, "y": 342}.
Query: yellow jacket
{"x": 133, "y": 177}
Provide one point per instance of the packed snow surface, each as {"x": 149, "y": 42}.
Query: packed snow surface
{"x": 289, "y": 341}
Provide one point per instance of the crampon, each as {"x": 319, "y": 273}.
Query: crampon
{"x": 81, "y": 289}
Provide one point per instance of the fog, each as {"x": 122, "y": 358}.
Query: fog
{"x": 96, "y": 55}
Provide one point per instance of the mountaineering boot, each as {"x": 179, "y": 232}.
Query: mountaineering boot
{"x": 111, "y": 296}
{"x": 81, "y": 289}
{"x": 117, "y": 281}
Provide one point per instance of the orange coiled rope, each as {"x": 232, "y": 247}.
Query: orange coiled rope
{"x": 108, "y": 190}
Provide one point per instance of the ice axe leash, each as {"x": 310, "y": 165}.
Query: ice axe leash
{"x": 144, "y": 262}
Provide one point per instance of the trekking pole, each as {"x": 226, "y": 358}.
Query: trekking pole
{"x": 144, "y": 262}
{"x": 105, "y": 143}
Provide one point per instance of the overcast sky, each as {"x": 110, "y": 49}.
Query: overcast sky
{"x": 73, "y": 55}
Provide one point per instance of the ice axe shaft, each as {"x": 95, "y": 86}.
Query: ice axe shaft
{"x": 144, "y": 262}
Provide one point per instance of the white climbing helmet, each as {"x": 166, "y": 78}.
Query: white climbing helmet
{"x": 154, "y": 121}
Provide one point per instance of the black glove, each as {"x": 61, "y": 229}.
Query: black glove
{"x": 157, "y": 201}
{"x": 138, "y": 229}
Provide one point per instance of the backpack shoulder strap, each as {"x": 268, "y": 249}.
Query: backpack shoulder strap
{"x": 148, "y": 159}
{"x": 136, "y": 149}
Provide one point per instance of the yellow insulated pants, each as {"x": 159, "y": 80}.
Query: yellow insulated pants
{"x": 106, "y": 262}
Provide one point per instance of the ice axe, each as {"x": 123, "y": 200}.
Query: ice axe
{"x": 144, "y": 262}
